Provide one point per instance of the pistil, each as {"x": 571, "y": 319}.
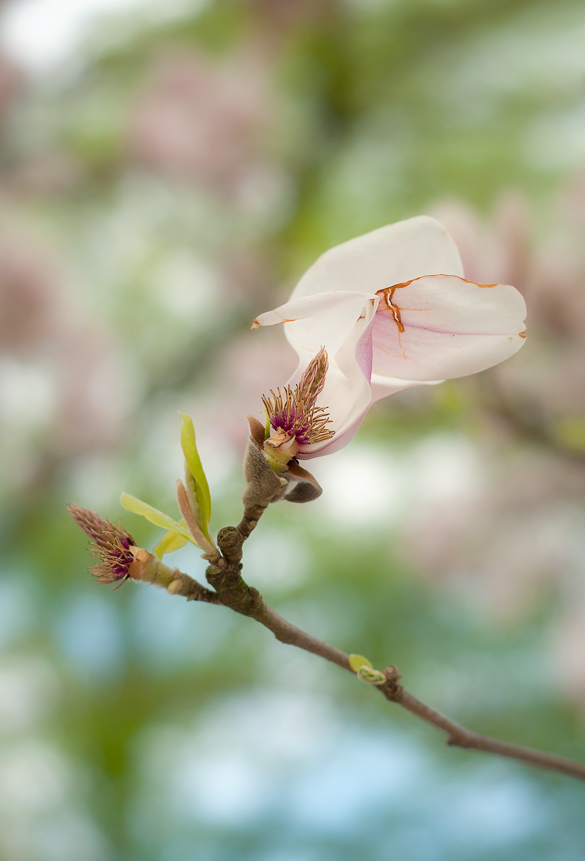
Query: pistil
{"x": 294, "y": 415}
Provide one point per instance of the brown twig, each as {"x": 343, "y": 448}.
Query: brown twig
{"x": 232, "y": 591}
{"x": 460, "y": 736}
{"x": 457, "y": 735}
{"x": 247, "y": 601}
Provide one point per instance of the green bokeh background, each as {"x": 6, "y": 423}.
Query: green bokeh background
{"x": 134, "y": 726}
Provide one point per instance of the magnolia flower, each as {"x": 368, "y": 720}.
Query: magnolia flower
{"x": 379, "y": 314}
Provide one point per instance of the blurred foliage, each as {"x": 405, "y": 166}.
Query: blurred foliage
{"x": 132, "y": 725}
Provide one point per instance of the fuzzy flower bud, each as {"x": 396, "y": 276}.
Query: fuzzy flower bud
{"x": 114, "y": 547}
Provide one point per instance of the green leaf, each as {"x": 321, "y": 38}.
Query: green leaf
{"x": 371, "y": 676}
{"x": 192, "y": 487}
{"x": 357, "y": 661}
{"x": 201, "y": 488}
{"x": 137, "y": 506}
{"x": 170, "y": 542}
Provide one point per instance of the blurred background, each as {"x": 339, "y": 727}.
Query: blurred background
{"x": 168, "y": 170}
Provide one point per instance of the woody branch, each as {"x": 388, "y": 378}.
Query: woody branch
{"x": 230, "y": 590}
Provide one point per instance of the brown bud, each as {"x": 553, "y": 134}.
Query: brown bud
{"x": 262, "y": 484}
{"x": 301, "y": 485}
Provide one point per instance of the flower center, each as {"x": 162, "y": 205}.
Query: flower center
{"x": 293, "y": 413}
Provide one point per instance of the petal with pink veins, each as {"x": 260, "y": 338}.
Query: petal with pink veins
{"x": 392, "y": 311}
{"x": 441, "y": 326}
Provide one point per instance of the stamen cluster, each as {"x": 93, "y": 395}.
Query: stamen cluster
{"x": 294, "y": 410}
{"x": 110, "y": 544}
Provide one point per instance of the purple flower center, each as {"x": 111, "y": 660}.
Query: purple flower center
{"x": 295, "y": 411}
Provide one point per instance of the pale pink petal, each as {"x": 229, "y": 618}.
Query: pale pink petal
{"x": 393, "y": 312}
{"x": 339, "y": 441}
{"x": 342, "y": 323}
{"x": 323, "y": 320}
{"x": 300, "y": 308}
{"x": 383, "y": 387}
{"x": 387, "y": 256}
{"x": 346, "y": 394}
{"x": 442, "y": 326}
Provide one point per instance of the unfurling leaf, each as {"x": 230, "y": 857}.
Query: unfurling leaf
{"x": 357, "y": 661}
{"x": 198, "y": 489}
{"x": 201, "y": 540}
{"x": 170, "y": 542}
{"x": 153, "y": 515}
{"x": 371, "y": 676}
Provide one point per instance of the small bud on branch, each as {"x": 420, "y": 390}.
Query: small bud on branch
{"x": 112, "y": 545}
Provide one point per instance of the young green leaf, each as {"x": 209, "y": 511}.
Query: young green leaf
{"x": 137, "y": 506}
{"x": 371, "y": 676}
{"x": 186, "y": 509}
{"x": 357, "y": 661}
{"x": 170, "y": 542}
{"x": 201, "y": 488}
{"x": 191, "y": 488}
